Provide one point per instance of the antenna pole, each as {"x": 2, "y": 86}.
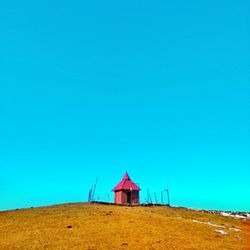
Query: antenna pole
{"x": 155, "y": 198}
{"x": 93, "y": 195}
{"x": 150, "y": 199}
{"x": 147, "y": 196}
{"x": 90, "y": 195}
{"x": 168, "y": 195}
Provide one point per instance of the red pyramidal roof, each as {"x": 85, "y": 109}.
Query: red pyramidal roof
{"x": 126, "y": 184}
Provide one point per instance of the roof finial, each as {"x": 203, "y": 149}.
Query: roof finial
{"x": 126, "y": 176}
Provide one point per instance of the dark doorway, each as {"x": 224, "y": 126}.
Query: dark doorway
{"x": 129, "y": 196}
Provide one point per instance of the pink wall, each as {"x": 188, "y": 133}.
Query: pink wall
{"x": 135, "y": 197}
{"x": 121, "y": 197}
{"x": 118, "y": 197}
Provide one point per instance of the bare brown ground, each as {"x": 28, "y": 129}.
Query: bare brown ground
{"x": 246, "y": 234}
{"x": 93, "y": 226}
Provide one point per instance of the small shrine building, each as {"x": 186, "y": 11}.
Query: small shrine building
{"x": 126, "y": 192}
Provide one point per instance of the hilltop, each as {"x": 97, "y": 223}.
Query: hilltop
{"x": 100, "y": 226}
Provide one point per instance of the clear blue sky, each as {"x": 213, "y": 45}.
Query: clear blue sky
{"x": 96, "y": 88}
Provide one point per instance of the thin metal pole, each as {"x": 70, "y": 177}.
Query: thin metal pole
{"x": 168, "y": 199}
{"x": 93, "y": 194}
{"x": 168, "y": 195}
{"x": 150, "y": 199}
{"x": 155, "y": 198}
{"x": 90, "y": 195}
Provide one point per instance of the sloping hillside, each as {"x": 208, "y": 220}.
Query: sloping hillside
{"x": 95, "y": 226}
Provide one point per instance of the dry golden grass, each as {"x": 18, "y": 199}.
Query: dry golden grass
{"x": 94, "y": 226}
